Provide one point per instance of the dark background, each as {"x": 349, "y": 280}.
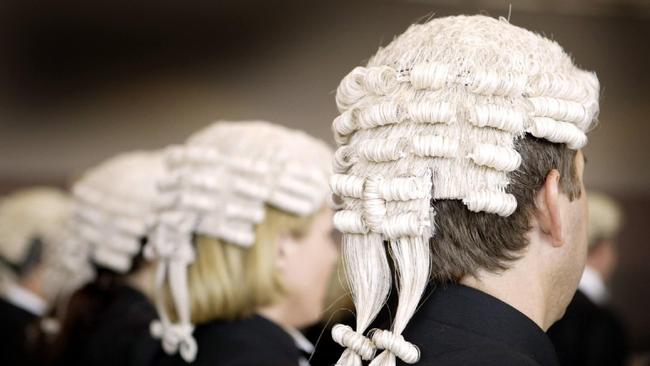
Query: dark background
{"x": 80, "y": 81}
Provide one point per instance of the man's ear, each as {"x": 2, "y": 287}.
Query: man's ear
{"x": 548, "y": 208}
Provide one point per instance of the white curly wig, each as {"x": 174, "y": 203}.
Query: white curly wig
{"x": 115, "y": 207}
{"x": 44, "y": 214}
{"x": 435, "y": 115}
{"x": 218, "y": 185}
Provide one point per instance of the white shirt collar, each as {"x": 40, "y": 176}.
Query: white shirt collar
{"x": 302, "y": 343}
{"x": 593, "y": 286}
{"x": 25, "y": 299}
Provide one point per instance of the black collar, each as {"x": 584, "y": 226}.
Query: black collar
{"x": 477, "y": 312}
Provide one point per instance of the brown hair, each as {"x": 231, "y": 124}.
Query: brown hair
{"x": 466, "y": 241}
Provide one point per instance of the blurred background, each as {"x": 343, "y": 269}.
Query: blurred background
{"x": 80, "y": 81}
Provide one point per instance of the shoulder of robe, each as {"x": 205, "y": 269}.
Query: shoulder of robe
{"x": 484, "y": 356}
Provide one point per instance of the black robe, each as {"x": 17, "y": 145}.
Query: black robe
{"x": 116, "y": 332}
{"x": 253, "y": 341}
{"x": 458, "y": 325}
{"x": 17, "y": 327}
{"x": 589, "y": 335}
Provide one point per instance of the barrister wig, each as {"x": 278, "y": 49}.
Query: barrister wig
{"x": 435, "y": 115}
{"x": 115, "y": 207}
{"x": 35, "y": 231}
{"x": 219, "y": 185}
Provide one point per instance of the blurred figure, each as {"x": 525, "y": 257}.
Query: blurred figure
{"x": 35, "y": 270}
{"x": 590, "y": 333}
{"x": 107, "y": 321}
{"x": 245, "y": 245}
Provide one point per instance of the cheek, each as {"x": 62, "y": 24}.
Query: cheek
{"x": 322, "y": 260}
{"x": 312, "y": 267}
{"x": 584, "y": 220}
{"x": 309, "y": 283}
{"x": 578, "y": 231}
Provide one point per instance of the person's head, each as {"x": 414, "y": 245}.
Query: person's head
{"x": 605, "y": 221}
{"x": 115, "y": 205}
{"x": 460, "y": 146}
{"x": 290, "y": 262}
{"x": 34, "y": 225}
{"x": 246, "y": 213}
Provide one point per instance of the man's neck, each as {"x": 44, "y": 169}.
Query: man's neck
{"x": 517, "y": 289}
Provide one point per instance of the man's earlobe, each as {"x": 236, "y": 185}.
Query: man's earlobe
{"x": 549, "y": 214}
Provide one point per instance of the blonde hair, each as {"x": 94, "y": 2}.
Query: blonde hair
{"x": 229, "y": 281}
